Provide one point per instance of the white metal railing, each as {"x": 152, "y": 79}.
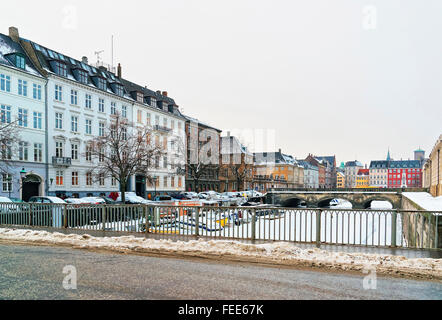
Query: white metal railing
{"x": 375, "y": 228}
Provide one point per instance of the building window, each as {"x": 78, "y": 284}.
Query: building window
{"x": 6, "y": 182}
{"x": 157, "y": 120}
{"x": 88, "y": 126}
{"x": 59, "y": 149}
{"x": 74, "y": 151}
{"x": 102, "y": 84}
{"x": 113, "y": 181}
{"x": 82, "y": 76}
{"x": 88, "y": 153}
{"x": 113, "y": 108}
{"x": 58, "y": 120}
{"x": 88, "y": 101}
{"x": 5, "y": 83}
{"x": 165, "y": 162}
{"x": 139, "y": 116}
{"x": 165, "y": 182}
{"x": 23, "y": 151}
{"x": 101, "y": 155}
{"x": 36, "y": 92}
{"x": 148, "y": 119}
{"x": 20, "y": 62}
{"x": 60, "y": 69}
{"x": 5, "y": 114}
{"x": 37, "y": 120}
{"x": 101, "y": 129}
{"x": 22, "y": 117}
{"x": 124, "y": 111}
{"x": 101, "y": 180}
{"x": 74, "y": 97}
{"x": 88, "y": 179}
{"x": 59, "y": 178}
{"x": 74, "y": 123}
{"x": 75, "y": 178}
{"x": 58, "y": 93}
{"x": 6, "y": 152}
{"x": 38, "y": 152}
{"x": 119, "y": 90}
{"x": 101, "y": 105}
{"x": 23, "y": 88}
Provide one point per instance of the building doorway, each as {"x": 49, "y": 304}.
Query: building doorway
{"x": 31, "y": 187}
{"x": 140, "y": 186}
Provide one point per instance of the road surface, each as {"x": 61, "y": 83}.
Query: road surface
{"x": 33, "y": 272}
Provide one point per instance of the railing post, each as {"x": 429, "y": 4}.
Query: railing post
{"x": 436, "y": 237}
{"x": 146, "y": 223}
{"x": 318, "y": 228}
{"x": 103, "y": 217}
{"x": 197, "y": 222}
{"x": 393, "y": 228}
{"x": 254, "y": 224}
{"x": 30, "y": 214}
{"x": 65, "y": 217}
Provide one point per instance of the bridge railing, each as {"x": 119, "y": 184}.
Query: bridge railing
{"x": 398, "y": 190}
{"x": 371, "y": 228}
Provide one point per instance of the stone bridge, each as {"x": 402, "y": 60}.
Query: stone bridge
{"x": 321, "y": 199}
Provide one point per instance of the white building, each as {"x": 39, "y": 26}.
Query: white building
{"x": 81, "y": 100}
{"x": 22, "y": 101}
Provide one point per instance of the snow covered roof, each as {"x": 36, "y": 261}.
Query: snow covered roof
{"x": 8, "y": 49}
{"x": 200, "y": 122}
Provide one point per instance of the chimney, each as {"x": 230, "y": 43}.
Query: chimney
{"x": 84, "y": 60}
{"x": 159, "y": 92}
{"x": 119, "y": 71}
{"x": 13, "y": 34}
{"x": 165, "y": 93}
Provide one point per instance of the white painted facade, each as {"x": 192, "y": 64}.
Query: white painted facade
{"x": 23, "y": 93}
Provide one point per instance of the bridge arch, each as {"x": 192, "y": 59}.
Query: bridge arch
{"x": 294, "y": 202}
{"x": 368, "y": 202}
{"x": 325, "y": 201}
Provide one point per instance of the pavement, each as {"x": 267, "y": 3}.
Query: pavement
{"x": 36, "y": 272}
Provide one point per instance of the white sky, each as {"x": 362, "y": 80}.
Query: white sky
{"x": 306, "y": 70}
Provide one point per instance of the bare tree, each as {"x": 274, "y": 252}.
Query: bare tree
{"x": 123, "y": 150}
{"x": 9, "y": 138}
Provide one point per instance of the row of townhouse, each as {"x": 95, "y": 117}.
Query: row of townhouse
{"x": 61, "y": 103}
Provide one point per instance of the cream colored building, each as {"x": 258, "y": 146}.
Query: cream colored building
{"x": 433, "y": 170}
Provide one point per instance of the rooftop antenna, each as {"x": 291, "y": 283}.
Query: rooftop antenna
{"x": 112, "y": 52}
{"x": 97, "y": 53}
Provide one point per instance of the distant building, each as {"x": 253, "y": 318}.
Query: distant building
{"x": 322, "y": 169}
{"x": 363, "y": 178}
{"x": 311, "y": 174}
{"x": 419, "y": 155}
{"x": 276, "y": 170}
{"x": 340, "y": 180}
{"x": 351, "y": 171}
{"x": 330, "y": 170}
{"x": 405, "y": 174}
{"x": 433, "y": 170}
{"x": 379, "y": 174}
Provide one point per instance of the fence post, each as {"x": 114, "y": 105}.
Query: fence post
{"x": 146, "y": 223}
{"x": 393, "y": 229}
{"x": 30, "y": 214}
{"x": 103, "y": 216}
{"x": 436, "y": 237}
{"x": 65, "y": 217}
{"x": 318, "y": 228}
{"x": 197, "y": 222}
{"x": 254, "y": 224}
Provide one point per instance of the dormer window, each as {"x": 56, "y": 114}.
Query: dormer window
{"x": 60, "y": 69}
{"x": 82, "y": 76}
{"x": 118, "y": 89}
{"x": 153, "y": 102}
{"x": 20, "y": 62}
{"x": 101, "y": 84}
{"x": 140, "y": 97}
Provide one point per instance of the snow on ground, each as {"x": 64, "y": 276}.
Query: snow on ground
{"x": 275, "y": 252}
{"x": 425, "y": 200}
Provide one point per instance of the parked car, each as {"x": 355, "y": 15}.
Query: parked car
{"x": 163, "y": 198}
{"x": 93, "y": 200}
{"x": 6, "y": 206}
{"x": 75, "y": 201}
{"x": 48, "y": 216}
{"x": 17, "y": 200}
{"x": 46, "y": 200}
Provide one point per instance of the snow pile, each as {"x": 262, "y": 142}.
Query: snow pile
{"x": 425, "y": 200}
{"x": 276, "y": 252}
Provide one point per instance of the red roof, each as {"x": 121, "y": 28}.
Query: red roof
{"x": 364, "y": 172}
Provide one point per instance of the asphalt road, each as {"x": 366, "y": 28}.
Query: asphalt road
{"x": 31, "y": 272}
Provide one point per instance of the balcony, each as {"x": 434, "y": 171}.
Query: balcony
{"x": 161, "y": 128}
{"x": 61, "y": 162}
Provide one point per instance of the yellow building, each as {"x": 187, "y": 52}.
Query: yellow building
{"x": 363, "y": 178}
{"x": 340, "y": 180}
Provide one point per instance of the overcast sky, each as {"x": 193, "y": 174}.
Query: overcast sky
{"x": 344, "y": 77}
